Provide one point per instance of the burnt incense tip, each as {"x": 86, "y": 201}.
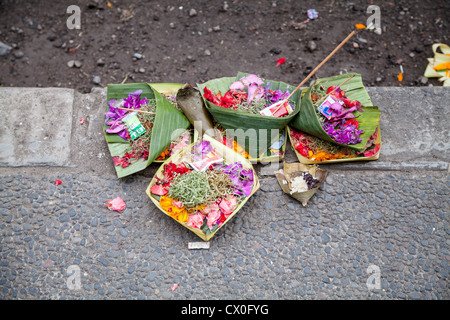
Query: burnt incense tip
{"x": 186, "y": 91}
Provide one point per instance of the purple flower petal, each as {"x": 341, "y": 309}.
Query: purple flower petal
{"x": 114, "y": 113}
{"x": 247, "y": 174}
{"x": 134, "y": 100}
{"x": 111, "y": 103}
{"x": 116, "y": 127}
{"x": 123, "y": 134}
{"x": 337, "y": 107}
{"x": 254, "y": 92}
{"x": 247, "y": 190}
{"x": 274, "y": 96}
{"x": 241, "y": 178}
{"x": 200, "y": 149}
{"x": 344, "y": 135}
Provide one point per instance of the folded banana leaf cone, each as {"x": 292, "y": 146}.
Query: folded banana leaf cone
{"x": 190, "y": 101}
{"x": 439, "y": 65}
{"x": 140, "y": 124}
{"x": 253, "y": 131}
{"x": 313, "y": 150}
{"x": 180, "y": 191}
{"x": 310, "y": 119}
{"x": 300, "y": 181}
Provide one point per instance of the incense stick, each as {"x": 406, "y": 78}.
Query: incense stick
{"x": 318, "y": 67}
{"x": 135, "y": 110}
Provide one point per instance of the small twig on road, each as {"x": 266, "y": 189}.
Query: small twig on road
{"x": 125, "y": 79}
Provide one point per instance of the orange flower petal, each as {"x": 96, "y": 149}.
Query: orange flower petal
{"x": 442, "y": 66}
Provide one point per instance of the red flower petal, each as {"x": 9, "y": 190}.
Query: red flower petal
{"x": 57, "y": 182}
{"x": 117, "y": 160}
{"x": 158, "y": 190}
{"x": 302, "y": 150}
{"x": 222, "y": 218}
{"x": 280, "y": 61}
{"x": 372, "y": 152}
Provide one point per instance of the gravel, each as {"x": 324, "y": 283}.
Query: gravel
{"x": 4, "y": 49}
{"x": 273, "y": 249}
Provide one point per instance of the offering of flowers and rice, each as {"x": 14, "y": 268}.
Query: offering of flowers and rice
{"x": 310, "y": 149}
{"x": 250, "y": 94}
{"x": 203, "y": 186}
{"x": 253, "y": 111}
{"x": 337, "y": 121}
{"x": 142, "y": 126}
{"x": 300, "y": 181}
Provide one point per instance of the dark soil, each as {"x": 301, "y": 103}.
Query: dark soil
{"x": 222, "y": 38}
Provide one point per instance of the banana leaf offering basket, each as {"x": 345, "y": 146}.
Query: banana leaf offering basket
{"x": 203, "y": 186}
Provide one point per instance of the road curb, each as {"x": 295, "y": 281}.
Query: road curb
{"x": 414, "y": 129}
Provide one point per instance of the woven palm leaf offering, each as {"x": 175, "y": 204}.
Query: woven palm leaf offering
{"x": 300, "y": 181}
{"x": 141, "y": 124}
{"x": 203, "y": 186}
{"x": 245, "y": 106}
{"x": 339, "y": 110}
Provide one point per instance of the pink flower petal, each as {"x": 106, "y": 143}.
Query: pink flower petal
{"x": 254, "y": 92}
{"x": 116, "y": 204}
{"x": 174, "y": 286}
{"x": 251, "y": 78}
{"x": 228, "y": 205}
{"x": 213, "y": 215}
{"x": 237, "y": 85}
{"x": 196, "y": 220}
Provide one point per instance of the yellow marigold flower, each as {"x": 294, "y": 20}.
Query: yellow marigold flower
{"x": 179, "y": 214}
